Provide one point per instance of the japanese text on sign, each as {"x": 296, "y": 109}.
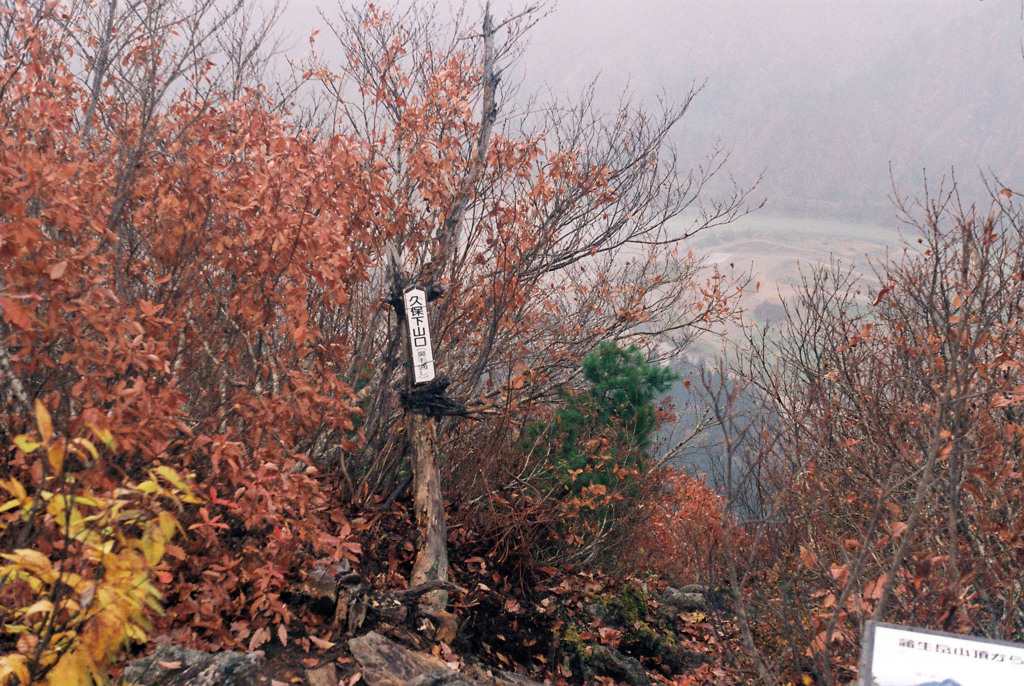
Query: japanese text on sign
{"x": 419, "y": 335}
{"x": 895, "y": 655}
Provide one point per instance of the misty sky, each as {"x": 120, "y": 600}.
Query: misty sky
{"x": 821, "y": 96}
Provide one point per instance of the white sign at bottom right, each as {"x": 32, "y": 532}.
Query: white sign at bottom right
{"x": 895, "y": 655}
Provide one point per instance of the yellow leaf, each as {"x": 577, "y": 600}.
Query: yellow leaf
{"x": 43, "y": 421}
{"x": 35, "y": 584}
{"x": 55, "y": 455}
{"x": 56, "y": 508}
{"x": 148, "y": 486}
{"x": 14, "y": 664}
{"x": 15, "y": 488}
{"x": 153, "y": 548}
{"x": 171, "y": 476}
{"x": 42, "y": 605}
{"x": 69, "y": 670}
{"x": 80, "y": 443}
{"x": 31, "y": 560}
{"x": 191, "y": 498}
{"x": 26, "y": 444}
{"x": 168, "y": 525}
{"x": 136, "y": 633}
{"x": 10, "y": 505}
{"x": 104, "y": 435}
{"x": 153, "y": 601}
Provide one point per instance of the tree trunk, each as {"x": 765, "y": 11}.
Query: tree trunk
{"x": 432, "y": 559}
{"x": 432, "y": 556}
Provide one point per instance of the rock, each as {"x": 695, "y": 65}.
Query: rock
{"x": 447, "y": 677}
{"x": 677, "y": 659}
{"x": 646, "y": 641}
{"x": 496, "y": 677}
{"x": 606, "y": 661}
{"x": 630, "y": 603}
{"x": 177, "y": 666}
{"x": 385, "y": 663}
{"x": 684, "y": 601}
{"x": 325, "y": 675}
{"x": 600, "y": 611}
{"x": 502, "y": 678}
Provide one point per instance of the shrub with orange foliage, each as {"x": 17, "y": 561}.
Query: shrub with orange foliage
{"x": 174, "y": 276}
{"x": 188, "y": 265}
{"x": 680, "y": 533}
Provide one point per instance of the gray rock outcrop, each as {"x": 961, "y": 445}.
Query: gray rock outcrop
{"x": 176, "y": 666}
{"x": 386, "y": 663}
{"x": 686, "y": 599}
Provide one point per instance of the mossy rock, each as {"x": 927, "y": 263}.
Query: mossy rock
{"x": 607, "y": 661}
{"x": 574, "y": 655}
{"x": 642, "y": 640}
{"x": 572, "y": 640}
{"x": 588, "y": 659}
{"x": 631, "y": 602}
{"x": 662, "y": 645}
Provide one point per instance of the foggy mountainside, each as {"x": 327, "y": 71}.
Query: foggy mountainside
{"x": 822, "y": 97}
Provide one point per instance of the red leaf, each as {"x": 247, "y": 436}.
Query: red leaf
{"x": 881, "y": 294}
{"x": 57, "y": 270}
{"x": 15, "y": 313}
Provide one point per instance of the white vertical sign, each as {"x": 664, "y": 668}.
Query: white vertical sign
{"x": 895, "y": 655}
{"x": 419, "y": 335}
